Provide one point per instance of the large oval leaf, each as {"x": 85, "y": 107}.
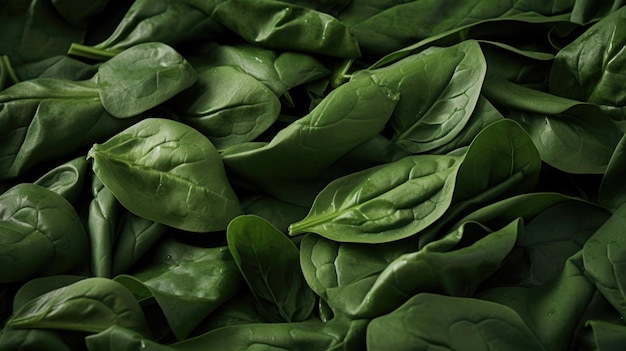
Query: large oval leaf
{"x": 141, "y": 78}
{"x": 276, "y": 280}
{"x": 383, "y": 203}
{"x": 167, "y": 172}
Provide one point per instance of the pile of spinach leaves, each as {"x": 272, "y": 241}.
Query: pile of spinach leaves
{"x": 312, "y": 175}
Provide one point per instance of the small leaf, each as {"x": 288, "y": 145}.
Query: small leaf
{"x": 141, "y": 78}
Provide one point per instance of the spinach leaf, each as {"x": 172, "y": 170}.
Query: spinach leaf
{"x": 384, "y": 27}
{"x": 549, "y": 239}
{"x": 60, "y": 67}
{"x": 383, "y": 203}
{"x": 120, "y": 338}
{"x": 66, "y": 179}
{"x": 337, "y": 334}
{"x": 102, "y": 228}
{"x": 607, "y": 336}
{"x": 228, "y": 106}
{"x": 35, "y": 219}
{"x": 279, "y": 213}
{"x": 159, "y": 161}
{"x": 146, "y": 21}
{"x": 348, "y": 116}
{"x": 173, "y": 281}
{"x": 366, "y": 281}
{"x": 438, "y": 88}
{"x": 276, "y": 281}
{"x": 32, "y": 339}
{"x": 90, "y": 305}
{"x": 34, "y": 30}
{"x": 79, "y": 13}
{"x": 141, "y": 78}
{"x": 35, "y": 126}
{"x": 551, "y": 311}
{"x": 612, "y": 193}
{"x": 450, "y": 323}
{"x": 603, "y": 259}
{"x": 279, "y": 71}
{"x": 591, "y": 67}
{"x": 135, "y": 237}
{"x": 278, "y": 25}
{"x": 571, "y": 136}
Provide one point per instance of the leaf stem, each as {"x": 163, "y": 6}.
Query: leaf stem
{"x": 90, "y": 52}
{"x": 4, "y": 61}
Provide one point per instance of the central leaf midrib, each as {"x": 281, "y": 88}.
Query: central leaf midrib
{"x": 152, "y": 170}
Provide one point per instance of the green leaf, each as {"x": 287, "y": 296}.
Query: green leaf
{"x": 337, "y": 334}
{"x": 275, "y": 280}
{"x": 90, "y": 305}
{"x": 426, "y": 118}
{"x": 279, "y": 71}
{"x": 135, "y": 237}
{"x": 66, "y": 179}
{"x": 552, "y": 311}
{"x": 35, "y": 219}
{"x": 228, "y": 106}
{"x": 166, "y": 162}
{"x": 46, "y": 119}
{"x": 117, "y": 338}
{"x": 591, "y": 68}
{"x": 383, "y": 203}
{"x": 366, "y": 281}
{"x": 171, "y": 277}
{"x": 612, "y": 192}
{"x": 102, "y": 228}
{"x": 278, "y": 25}
{"x": 571, "y": 136}
{"x": 348, "y": 116}
{"x": 604, "y": 257}
{"x": 608, "y": 336}
{"x": 429, "y": 321}
{"x": 141, "y": 78}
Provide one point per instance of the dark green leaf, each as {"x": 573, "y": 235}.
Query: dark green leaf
{"x": 275, "y": 280}
{"x": 66, "y": 179}
{"x": 90, "y": 305}
{"x": 34, "y": 219}
{"x": 187, "y": 282}
{"x": 438, "y": 322}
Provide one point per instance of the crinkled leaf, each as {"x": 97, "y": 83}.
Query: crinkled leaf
{"x": 169, "y": 163}
{"x": 66, "y": 179}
